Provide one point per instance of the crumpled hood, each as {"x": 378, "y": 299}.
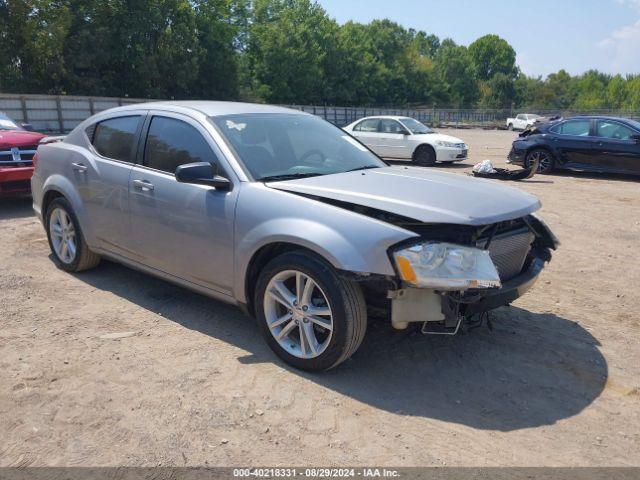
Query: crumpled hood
{"x": 437, "y": 137}
{"x": 18, "y": 138}
{"x": 424, "y": 195}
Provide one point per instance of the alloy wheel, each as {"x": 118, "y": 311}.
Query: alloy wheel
{"x": 63, "y": 235}
{"x": 543, "y": 158}
{"x": 298, "y": 314}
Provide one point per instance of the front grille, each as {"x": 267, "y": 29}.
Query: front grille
{"x": 509, "y": 251}
{"x": 18, "y": 156}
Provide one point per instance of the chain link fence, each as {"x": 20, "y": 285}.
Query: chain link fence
{"x": 60, "y": 114}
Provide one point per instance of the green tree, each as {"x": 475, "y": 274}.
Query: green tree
{"x": 499, "y": 91}
{"x": 287, "y": 50}
{"x": 492, "y": 55}
{"x": 32, "y": 36}
{"x": 456, "y": 69}
{"x": 617, "y": 92}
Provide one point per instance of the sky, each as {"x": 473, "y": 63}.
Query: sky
{"x": 547, "y": 35}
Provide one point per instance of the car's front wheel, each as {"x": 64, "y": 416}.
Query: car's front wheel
{"x": 543, "y": 157}
{"x": 425, "y": 156}
{"x": 311, "y": 317}
{"x": 70, "y": 251}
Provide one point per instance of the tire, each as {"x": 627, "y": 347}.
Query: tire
{"x": 342, "y": 298}
{"x": 545, "y": 157}
{"x": 83, "y": 258}
{"x": 510, "y": 127}
{"x": 424, "y": 156}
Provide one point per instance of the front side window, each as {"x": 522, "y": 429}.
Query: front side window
{"x": 171, "y": 143}
{"x": 613, "y": 130}
{"x": 391, "y": 126}
{"x": 576, "y": 128}
{"x": 370, "y": 125}
{"x": 521, "y": 117}
{"x": 274, "y": 146}
{"x": 114, "y": 138}
{"x": 416, "y": 127}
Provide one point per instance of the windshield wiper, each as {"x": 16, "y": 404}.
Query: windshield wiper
{"x": 366, "y": 167}
{"x": 287, "y": 176}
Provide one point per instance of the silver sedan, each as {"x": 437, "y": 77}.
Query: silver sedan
{"x": 288, "y": 217}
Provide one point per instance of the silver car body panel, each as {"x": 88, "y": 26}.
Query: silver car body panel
{"x": 419, "y": 194}
{"x": 205, "y": 239}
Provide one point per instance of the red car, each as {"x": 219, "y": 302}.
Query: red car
{"x": 17, "y": 148}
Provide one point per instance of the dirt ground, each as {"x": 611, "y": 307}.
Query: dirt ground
{"x": 188, "y": 380}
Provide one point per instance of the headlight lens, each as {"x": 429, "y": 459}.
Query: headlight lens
{"x": 446, "y": 266}
{"x": 442, "y": 143}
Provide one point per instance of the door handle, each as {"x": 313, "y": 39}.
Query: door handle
{"x": 143, "y": 185}
{"x": 79, "y": 167}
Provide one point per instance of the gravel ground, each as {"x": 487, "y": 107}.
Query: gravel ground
{"x": 113, "y": 367}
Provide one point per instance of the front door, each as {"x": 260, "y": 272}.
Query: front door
{"x": 103, "y": 180}
{"x": 615, "y": 148}
{"x": 182, "y": 229}
{"x": 392, "y": 140}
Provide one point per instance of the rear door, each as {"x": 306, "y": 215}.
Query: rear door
{"x": 614, "y": 147}
{"x": 393, "y": 143}
{"x": 367, "y": 131}
{"x": 181, "y": 229}
{"x": 103, "y": 182}
{"x": 573, "y": 143}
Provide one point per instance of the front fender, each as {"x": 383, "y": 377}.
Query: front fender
{"x": 347, "y": 240}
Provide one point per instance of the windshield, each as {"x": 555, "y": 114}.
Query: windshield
{"x": 277, "y": 146}
{"x": 415, "y": 127}
{"x": 7, "y": 124}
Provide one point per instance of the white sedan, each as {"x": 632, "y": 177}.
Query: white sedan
{"x": 404, "y": 138}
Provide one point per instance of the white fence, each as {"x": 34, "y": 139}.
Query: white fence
{"x": 60, "y": 114}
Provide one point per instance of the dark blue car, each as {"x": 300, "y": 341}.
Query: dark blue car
{"x": 595, "y": 144}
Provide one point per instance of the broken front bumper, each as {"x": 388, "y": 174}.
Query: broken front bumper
{"x": 423, "y": 305}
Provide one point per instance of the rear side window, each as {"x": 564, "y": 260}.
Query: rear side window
{"x": 114, "y": 138}
{"x": 171, "y": 143}
{"x": 576, "y": 128}
{"x": 370, "y": 125}
{"x": 613, "y": 130}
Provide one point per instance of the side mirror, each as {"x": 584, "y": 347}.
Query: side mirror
{"x": 636, "y": 137}
{"x": 27, "y": 126}
{"x": 202, "y": 173}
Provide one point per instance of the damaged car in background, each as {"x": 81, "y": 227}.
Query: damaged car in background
{"x": 288, "y": 217}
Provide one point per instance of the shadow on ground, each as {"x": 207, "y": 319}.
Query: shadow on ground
{"x": 15, "y": 207}
{"x": 620, "y": 177}
{"x": 532, "y": 370}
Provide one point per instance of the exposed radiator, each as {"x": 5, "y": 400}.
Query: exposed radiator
{"x": 509, "y": 251}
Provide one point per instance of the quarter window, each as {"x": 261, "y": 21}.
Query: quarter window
{"x": 576, "y": 128}
{"x": 114, "y": 138}
{"x": 613, "y": 130}
{"x": 370, "y": 125}
{"x": 171, "y": 143}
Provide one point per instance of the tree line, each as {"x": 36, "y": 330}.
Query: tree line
{"x": 276, "y": 51}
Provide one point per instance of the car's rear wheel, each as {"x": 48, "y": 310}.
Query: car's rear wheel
{"x": 510, "y": 127}
{"x": 70, "y": 251}
{"x": 311, "y": 317}
{"x": 425, "y": 156}
{"x": 546, "y": 162}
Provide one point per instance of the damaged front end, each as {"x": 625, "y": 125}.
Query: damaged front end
{"x": 455, "y": 272}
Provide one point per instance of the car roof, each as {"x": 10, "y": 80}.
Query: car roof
{"x": 597, "y": 117}
{"x": 384, "y": 117}
{"x": 210, "y": 108}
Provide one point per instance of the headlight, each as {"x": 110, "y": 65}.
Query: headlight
{"x": 442, "y": 143}
{"x": 446, "y": 266}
